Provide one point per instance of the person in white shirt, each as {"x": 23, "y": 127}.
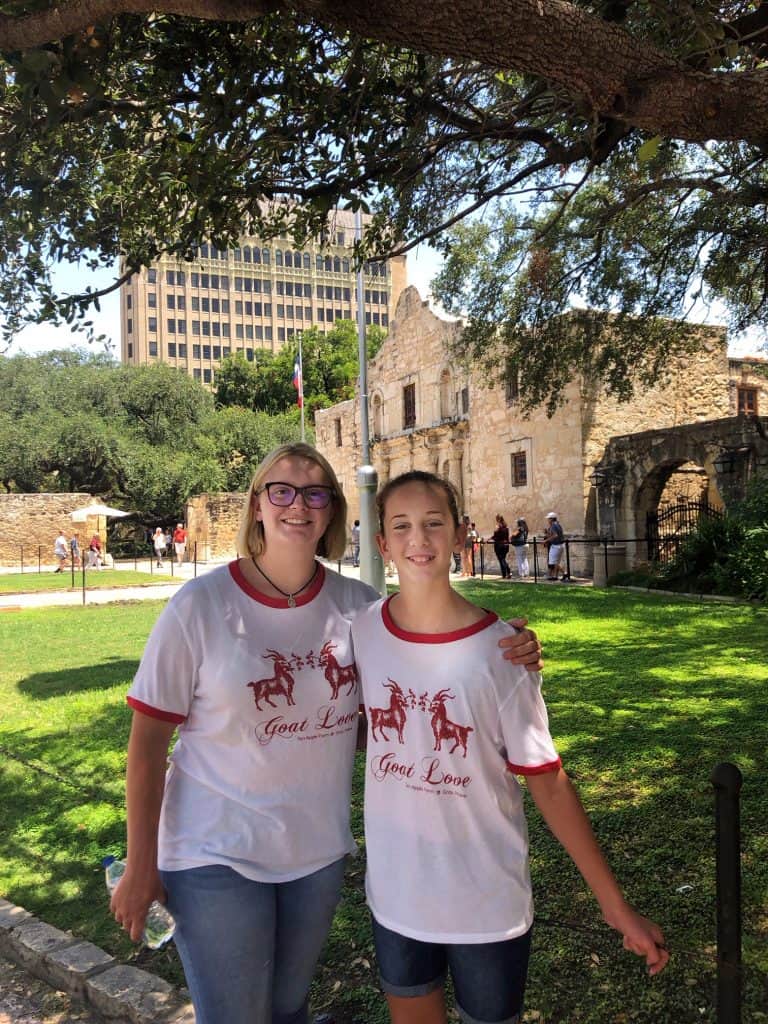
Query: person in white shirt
{"x": 446, "y": 840}
{"x": 247, "y": 833}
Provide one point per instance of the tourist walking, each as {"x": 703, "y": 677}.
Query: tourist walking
{"x": 158, "y": 543}
{"x": 447, "y": 877}
{"x": 500, "y": 540}
{"x": 180, "y": 542}
{"x": 248, "y": 831}
{"x": 61, "y": 551}
{"x": 519, "y": 541}
{"x": 94, "y": 552}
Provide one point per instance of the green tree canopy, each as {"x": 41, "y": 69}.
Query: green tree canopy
{"x": 330, "y": 370}
{"x": 146, "y": 438}
{"x": 616, "y": 150}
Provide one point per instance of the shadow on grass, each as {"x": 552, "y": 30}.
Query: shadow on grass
{"x": 110, "y": 672}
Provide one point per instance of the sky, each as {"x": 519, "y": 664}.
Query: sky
{"x": 423, "y": 265}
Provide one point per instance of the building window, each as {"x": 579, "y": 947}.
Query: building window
{"x": 281, "y": 334}
{"x": 746, "y": 401}
{"x": 152, "y": 300}
{"x": 519, "y": 466}
{"x": 130, "y": 326}
{"x": 337, "y": 425}
{"x": 180, "y": 302}
{"x": 217, "y": 351}
{"x": 195, "y": 326}
{"x": 172, "y": 349}
{"x": 153, "y": 348}
{"x": 152, "y": 276}
{"x": 152, "y": 324}
{"x": 239, "y": 332}
{"x": 181, "y": 326}
{"x": 409, "y": 406}
{"x": 182, "y": 351}
{"x": 195, "y": 351}
{"x": 128, "y": 301}
{"x": 206, "y": 376}
{"x": 171, "y": 325}
{"x": 170, "y": 301}
{"x": 130, "y": 349}
{"x": 197, "y": 373}
{"x": 206, "y": 352}
{"x": 512, "y": 387}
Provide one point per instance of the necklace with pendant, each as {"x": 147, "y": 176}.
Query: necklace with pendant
{"x": 291, "y": 597}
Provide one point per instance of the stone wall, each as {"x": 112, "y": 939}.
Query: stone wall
{"x": 35, "y": 520}
{"x": 212, "y": 524}
{"x": 468, "y": 428}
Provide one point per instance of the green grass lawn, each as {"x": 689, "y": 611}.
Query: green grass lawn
{"x": 35, "y": 582}
{"x": 646, "y": 694}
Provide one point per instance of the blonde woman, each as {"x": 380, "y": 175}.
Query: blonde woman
{"x": 248, "y": 832}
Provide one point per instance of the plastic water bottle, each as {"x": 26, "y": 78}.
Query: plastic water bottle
{"x": 159, "y": 925}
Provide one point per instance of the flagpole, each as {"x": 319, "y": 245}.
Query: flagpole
{"x": 301, "y": 390}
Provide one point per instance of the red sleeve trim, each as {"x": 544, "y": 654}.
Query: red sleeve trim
{"x": 537, "y": 769}
{"x": 147, "y": 709}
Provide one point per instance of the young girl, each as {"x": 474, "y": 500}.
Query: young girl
{"x": 247, "y": 833}
{"x": 447, "y": 881}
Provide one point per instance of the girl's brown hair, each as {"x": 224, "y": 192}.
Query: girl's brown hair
{"x": 418, "y": 476}
{"x": 250, "y": 535}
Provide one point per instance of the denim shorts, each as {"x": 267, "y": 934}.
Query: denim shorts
{"x": 488, "y": 977}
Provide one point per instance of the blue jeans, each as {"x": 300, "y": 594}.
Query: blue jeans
{"x": 488, "y": 977}
{"x": 249, "y": 949}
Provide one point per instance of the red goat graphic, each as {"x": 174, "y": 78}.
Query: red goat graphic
{"x": 336, "y": 674}
{"x": 392, "y": 717}
{"x": 281, "y": 683}
{"x": 443, "y": 728}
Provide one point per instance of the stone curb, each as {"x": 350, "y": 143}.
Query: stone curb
{"x": 116, "y": 992}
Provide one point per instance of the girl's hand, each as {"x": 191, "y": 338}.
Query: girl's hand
{"x": 132, "y": 898}
{"x": 641, "y": 936}
{"x": 523, "y": 647}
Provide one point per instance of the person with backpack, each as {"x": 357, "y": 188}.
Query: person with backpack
{"x": 554, "y": 539}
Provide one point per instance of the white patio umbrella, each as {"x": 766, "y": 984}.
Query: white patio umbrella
{"x": 96, "y": 509}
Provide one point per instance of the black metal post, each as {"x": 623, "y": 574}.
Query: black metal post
{"x": 726, "y": 778}
{"x": 195, "y": 559}
{"x": 535, "y": 563}
{"x": 567, "y": 560}
{"x": 82, "y": 563}
{"x": 482, "y": 559}
{"x": 605, "y": 556}
{"x": 72, "y": 566}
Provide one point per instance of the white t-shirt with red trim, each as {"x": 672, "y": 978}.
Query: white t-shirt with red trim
{"x": 266, "y": 700}
{"x": 449, "y": 724}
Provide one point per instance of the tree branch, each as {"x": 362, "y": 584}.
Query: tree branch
{"x": 617, "y": 75}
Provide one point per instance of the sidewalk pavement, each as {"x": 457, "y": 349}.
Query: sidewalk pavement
{"x": 113, "y": 992}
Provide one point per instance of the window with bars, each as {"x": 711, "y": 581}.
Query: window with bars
{"x": 519, "y": 467}
{"x": 746, "y": 401}
{"x": 409, "y": 406}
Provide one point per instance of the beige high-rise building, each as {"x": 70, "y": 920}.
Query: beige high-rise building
{"x": 257, "y": 296}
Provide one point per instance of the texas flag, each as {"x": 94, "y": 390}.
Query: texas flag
{"x": 298, "y": 383}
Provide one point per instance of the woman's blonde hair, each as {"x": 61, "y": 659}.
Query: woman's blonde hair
{"x": 250, "y": 535}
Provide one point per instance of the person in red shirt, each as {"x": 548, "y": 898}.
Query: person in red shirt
{"x": 179, "y": 542}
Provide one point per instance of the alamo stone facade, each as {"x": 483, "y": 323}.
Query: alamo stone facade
{"x": 428, "y": 412}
